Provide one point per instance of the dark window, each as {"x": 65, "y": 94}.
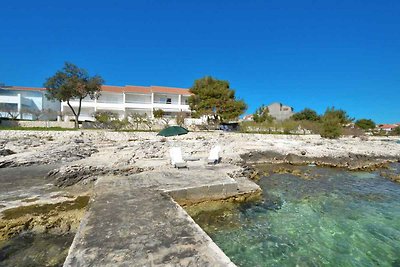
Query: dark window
{"x": 169, "y": 100}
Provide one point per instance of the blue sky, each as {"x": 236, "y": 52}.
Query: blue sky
{"x": 302, "y": 53}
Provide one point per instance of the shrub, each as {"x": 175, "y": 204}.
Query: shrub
{"x": 105, "y": 116}
{"x": 262, "y": 115}
{"x": 365, "y": 124}
{"x": 396, "y": 131}
{"x": 331, "y": 127}
{"x": 158, "y": 113}
{"x": 340, "y": 114}
{"x": 180, "y": 118}
{"x": 306, "y": 114}
{"x": 312, "y": 126}
{"x": 111, "y": 120}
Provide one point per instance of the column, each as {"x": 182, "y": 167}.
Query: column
{"x": 19, "y": 106}
{"x": 152, "y": 105}
{"x": 123, "y": 101}
{"x": 179, "y": 100}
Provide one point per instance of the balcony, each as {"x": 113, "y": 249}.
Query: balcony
{"x": 9, "y": 99}
{"x": 171, "y": 107}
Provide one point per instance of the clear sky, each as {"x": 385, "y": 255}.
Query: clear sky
{"x": 306, "y": 53}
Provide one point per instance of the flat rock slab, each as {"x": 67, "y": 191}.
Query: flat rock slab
{"x": 133, "y": 222}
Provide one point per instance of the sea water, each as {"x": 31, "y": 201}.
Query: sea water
{"x": 336, "y": 218}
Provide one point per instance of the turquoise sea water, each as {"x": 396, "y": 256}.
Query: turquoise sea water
{"x": 339, "y": 218}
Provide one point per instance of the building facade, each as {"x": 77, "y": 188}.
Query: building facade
{"x": 24, "y": 102}
{"x": 279, "y": 111}
{"x": 124, "y": 100}
{"x": 27, "y": 103}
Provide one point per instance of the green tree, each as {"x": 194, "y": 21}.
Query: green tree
{"x": 396, "y": 131}
{"x": 365, "y": 124}
{"x": 158, "y": 113}
{"x": 214, "y": 98}
{"x": 306, "y": 114}
{"x": 73, "y": 83}
{"x": 332, "y": 124}
{"x": 262, "y": 115}
{"x": 340, "y": 114}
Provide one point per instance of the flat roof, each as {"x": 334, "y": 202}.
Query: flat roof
{"x": 118, "y": 89}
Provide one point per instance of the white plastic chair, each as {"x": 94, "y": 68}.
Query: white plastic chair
{"x": 176, "y": 157}
{"x": 214, "y": 157}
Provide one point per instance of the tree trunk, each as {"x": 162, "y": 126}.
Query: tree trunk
{"x": 76, "y": 115}
{"x": 76, "y": 121}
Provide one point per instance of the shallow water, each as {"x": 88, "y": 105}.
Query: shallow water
{"x": 35, "y": 250}
{"x": 340, "y": 218}
{"x": 27, "y": 186}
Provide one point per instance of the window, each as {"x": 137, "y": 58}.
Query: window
{"x": 169, "y": 101}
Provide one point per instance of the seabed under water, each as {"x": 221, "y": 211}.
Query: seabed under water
{"x": 334, "y": 218}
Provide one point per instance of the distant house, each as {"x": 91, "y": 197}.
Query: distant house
{"x": 279, "y": 111}
{"x": 248, "y": 117}
{"x": 26, "y": 103}
{"x": 387, "y": 127}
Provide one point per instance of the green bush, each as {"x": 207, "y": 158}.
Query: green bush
{"x": 306, "y": 114}
{"x": 396, "y": 131}
{"x": 158, "y": 113}
{"x": 365, "y": 124}
{"x": 105, "y": 116}
{"x": 331, "y": 126}
{"x": 111, "y": 120}
{"x": 262, "y": 115}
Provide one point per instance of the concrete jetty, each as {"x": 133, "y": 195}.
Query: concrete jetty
{"x": 135, "y": 220}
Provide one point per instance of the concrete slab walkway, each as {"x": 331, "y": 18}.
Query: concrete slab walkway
{"x": 133, "y": 221}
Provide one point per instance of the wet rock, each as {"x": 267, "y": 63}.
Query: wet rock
{"x": 53, "y": 154}
{"x": 56, "y": 218}
{"x": 74, "y": 174}
{"x": 6, "y": 152}
{"x": 352, "y": 161}
{"x": 70, "y": 175}
{"x": 395, "y": 177}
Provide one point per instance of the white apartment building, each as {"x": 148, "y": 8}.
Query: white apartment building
{"x": 27, "y": 103}
{"x": 132, "y": 99}
{"x": 118, "y": 99}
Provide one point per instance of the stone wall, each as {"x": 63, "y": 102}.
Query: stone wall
{"x": 47, "y": 124}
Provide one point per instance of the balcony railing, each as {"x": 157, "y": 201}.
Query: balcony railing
{"x": 166, "y": 103}
{"x": 110, "y": 101}
{"x": 137, "y": 101}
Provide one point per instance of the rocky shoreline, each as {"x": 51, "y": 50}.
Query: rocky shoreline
{"x": 49, "y": 218}
{"x": 351, "y": 161}
{"x": 83, "y": 156}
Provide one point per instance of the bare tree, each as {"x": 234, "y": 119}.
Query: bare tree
{"x": 136, "y": 118}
